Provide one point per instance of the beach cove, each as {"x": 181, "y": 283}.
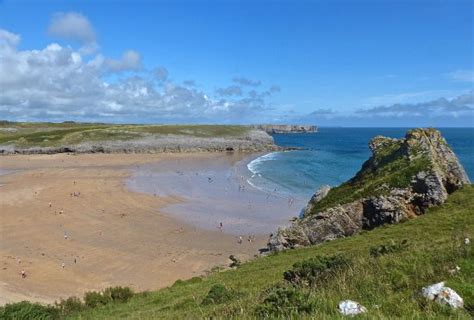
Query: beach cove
{"x": 74, "y": 223}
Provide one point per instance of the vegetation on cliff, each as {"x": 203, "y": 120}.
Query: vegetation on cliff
{"x": 394, "y": 164}
{"x": 402, "y": 179}
{"x": 27, "y": 137}
{"x": 45, "y": 134}
{"x": 383, "y": 269}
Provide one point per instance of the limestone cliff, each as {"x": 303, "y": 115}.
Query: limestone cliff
{"x": 401, "y": 179}
{"x": 285, "y": 128}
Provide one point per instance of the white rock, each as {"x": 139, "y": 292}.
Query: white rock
{"x": 351, "y": 308}
{"x": 444, "y": 295}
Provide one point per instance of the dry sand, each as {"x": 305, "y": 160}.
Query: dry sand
{"x": 117, "y": 237}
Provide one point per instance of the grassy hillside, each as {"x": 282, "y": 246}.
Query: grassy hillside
{"x": 30, "y": 134}
{"x": 383, "y": 269}
{"x": 393, "y": 165}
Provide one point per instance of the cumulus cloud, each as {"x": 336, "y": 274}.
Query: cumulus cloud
{"x": 9, "y": 39}
{"x": 323, "y": 112}
{"x": 189, "y": 83}
{"x": 161, "y": 73}
{"x": 59, "y": 83}
{"x": 460, "y": 104}
{"x": 74, "y": 26}
{"x": 130, "y": 61}
{"x": 246, "y": 82}
{"x": 229, "y": 91}
{"x": 457, "y": 111}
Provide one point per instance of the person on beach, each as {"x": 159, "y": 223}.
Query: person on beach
{"x": 50, "y": 204}
{"x": 23, "y": 274}
{"x": 63, "y": 265}
{"x": 65, "y": 236}
{"x": 240, "y": 240}
{"x": 221, "y": 226}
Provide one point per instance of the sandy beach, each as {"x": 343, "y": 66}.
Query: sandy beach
{"x": 73, "y": 224}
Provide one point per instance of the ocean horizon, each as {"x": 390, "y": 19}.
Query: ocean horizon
{"x": 333, "y": 155}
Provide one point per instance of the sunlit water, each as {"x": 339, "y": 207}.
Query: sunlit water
{"x": 277, "y": 185}
{"x": 333, "y": 155}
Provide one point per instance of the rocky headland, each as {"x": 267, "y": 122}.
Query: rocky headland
{"x": 251, "y": 140}
{"x": 285, "y": 128}
{"x": 401, "y": 180}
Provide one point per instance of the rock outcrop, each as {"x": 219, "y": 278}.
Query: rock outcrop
{"x": 285, "y": 128}
{"x": 400, "y": 181}
{"x": 252, "y": 141}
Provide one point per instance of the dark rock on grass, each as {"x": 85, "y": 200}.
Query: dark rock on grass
{"x": 402, "y": 179}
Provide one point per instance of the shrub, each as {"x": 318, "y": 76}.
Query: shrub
{"x": 94, "y": 299}
{"x": 391, "y": 247}
{"x": 26, "y": 310}
{"x": 285, "y": 301}
{"x": 194, "y": 280}
{"x": 315, "y": 270}
{"x": 70, "y": 305}
{"x": 219, "y": 294}
{"x": 180, "y": 282}
{"x": 119, "y": 294}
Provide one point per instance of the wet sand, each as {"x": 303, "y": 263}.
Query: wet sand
{"x": 105, "y": 234}
{"x": 216, "y": 191}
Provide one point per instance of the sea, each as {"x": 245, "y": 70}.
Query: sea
{"x": 332, "y": 156}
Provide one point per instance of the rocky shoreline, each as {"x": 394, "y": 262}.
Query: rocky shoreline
{"x": 253, "y": 141}
{"x": 402, "y": 179}
{"x": 285, "y": 128}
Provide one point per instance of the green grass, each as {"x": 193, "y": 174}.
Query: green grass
{"x": 389, "y": 167}
{"x": 28, "y": 134}
{"x": 388, "y": 284}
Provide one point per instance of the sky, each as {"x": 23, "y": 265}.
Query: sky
{"x": 328, "y": 63}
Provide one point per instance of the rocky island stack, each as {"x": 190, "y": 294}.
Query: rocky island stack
{"x": 401, "y": 180}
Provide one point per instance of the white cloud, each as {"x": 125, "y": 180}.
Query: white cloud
{"x": 442, "y": 106}
{"x": 58, "y": 83}
{"x": 74, "y": 26}
{"x": 9, "y": 39}
{"x": 409, "y": 97}
{"x": 457, "y": 111}
{"x": 161, "y": 73}
{"x": 246, "y": 82}
{"x": 130, "y": 61}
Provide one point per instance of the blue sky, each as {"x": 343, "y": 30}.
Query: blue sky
{"x": 367, "y": 63}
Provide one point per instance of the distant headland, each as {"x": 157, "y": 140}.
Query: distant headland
{"x": 285, "y": 128}
{"x": 75, "y": 137}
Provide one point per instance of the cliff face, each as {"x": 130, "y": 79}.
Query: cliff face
{"x": 250, "y": 141}
{"x": 275, "y": 128}
{"x": 401, "y": 180}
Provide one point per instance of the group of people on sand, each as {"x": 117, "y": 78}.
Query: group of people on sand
{"x": 23, "y": 273}
{"x": 240, "y": 239}
{"x": 250, "y": 238}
